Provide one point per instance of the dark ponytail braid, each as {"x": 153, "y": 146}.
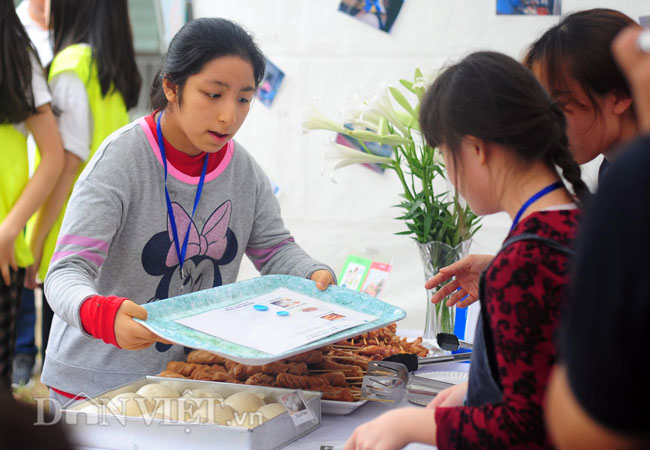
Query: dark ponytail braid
{"x": 559, "y": 155}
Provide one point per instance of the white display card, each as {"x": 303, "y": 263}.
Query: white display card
{"x": 276, "y": 322}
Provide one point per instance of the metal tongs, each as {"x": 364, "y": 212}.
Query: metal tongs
{"x": 389, "y": 382}
{"x": 385, "y": 382}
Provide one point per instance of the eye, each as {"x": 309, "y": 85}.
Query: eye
{"x": 213, "y": 95}
{"x": 244, "y": 100}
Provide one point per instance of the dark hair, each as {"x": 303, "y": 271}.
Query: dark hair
{"x": 580, "y": 47}
{"x": 19, "y": 424}
{"x": 16, "y": 95}
{"x": 196, "y": 44}
{"x": 105, "y": 25}
{"x": 494, "y": 98}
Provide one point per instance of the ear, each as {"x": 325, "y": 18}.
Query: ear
{"x": 170, "y": 89}
{"x": 620, "y": 103}
{"x": 477, "y": 147}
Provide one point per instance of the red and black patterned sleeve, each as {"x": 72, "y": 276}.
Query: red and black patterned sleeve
{"x": 526, "y": 288}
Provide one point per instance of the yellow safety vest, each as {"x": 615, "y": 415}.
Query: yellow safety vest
{"x": 109, "y": 114}
{"x": 14, "y": 175}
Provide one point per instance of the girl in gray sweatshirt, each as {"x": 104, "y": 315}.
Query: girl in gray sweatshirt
{"x": 169, "y": 204}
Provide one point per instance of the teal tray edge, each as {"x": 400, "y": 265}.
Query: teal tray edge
{"x": 162, "y": 314}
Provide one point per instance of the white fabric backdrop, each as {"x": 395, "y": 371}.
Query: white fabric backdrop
{"x": 335, "y": 61}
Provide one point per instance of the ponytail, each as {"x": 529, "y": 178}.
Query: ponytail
{"x": 559, "y": 155}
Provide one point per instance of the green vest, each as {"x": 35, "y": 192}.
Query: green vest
{"x": 14, "y": 175}
{"x": 109, "y": 113}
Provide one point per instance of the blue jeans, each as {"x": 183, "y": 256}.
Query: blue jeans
{"x": 25, "y": 324}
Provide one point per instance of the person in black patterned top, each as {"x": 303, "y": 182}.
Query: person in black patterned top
{"x": 503, "y": 139}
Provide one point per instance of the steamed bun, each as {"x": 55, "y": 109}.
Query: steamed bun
{"x": 200, "y": 393}
{"x": 92, "y": 409}
{"x": 157, "y": 390}
{"x": 244, "y": 402}
{"x": 130, "y": 404}
{"x": 271, "y": 410}
{"x": 174, "y": 409}
{"x": 215, "y": 413}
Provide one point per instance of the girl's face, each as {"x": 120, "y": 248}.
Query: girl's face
{"x": 470, "y": 174}
{"x": 591, "y": 129}
{"x": 586, "y": 128}
{"x": 213, "y": 105}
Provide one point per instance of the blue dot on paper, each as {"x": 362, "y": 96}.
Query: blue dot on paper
{"x": 261, "y": 307}
{"x": 282, "y": 313}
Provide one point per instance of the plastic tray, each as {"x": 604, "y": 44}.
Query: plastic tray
{"x": 337, "y": 408}
{"x": 162, "y": 315}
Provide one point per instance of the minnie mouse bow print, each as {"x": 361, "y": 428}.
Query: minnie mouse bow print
{"x": 211, "y": 242}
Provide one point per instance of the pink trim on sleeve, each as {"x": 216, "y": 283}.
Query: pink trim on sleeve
{"x": 83, "y": 241}
{"x": 261, "y": 256}
{"x": 87, "y": 253}
{"x": 173, "y": 171}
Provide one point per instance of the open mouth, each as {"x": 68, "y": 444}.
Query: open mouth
{"x": 219, "y": 136}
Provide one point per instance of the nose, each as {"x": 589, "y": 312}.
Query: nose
{"x": 227, "y": 114}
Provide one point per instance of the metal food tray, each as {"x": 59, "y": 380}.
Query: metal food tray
{"x": 123, "y": 432}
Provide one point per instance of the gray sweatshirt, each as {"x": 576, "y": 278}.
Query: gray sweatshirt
{"x": 116, "y": 240}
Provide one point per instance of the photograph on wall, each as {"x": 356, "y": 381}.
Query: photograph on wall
{"x": 373, "y": 147}
{"x": 645, "y": 21}
{"x": 380, "y": 14}
{"x": 529, "y": 7}
{"x": 268, "y": 89}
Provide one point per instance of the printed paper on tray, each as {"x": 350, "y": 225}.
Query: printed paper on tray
{"x": 308, "y": 320}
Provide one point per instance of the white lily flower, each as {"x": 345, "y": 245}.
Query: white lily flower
{"x": 386, "y": 109}
{"x": 340, "y": 156}
{"x": 372, "y": 116}
{"x": 364, "y": 124}
{"x": 318, "y": 121}
{"x": 390, "y": 119}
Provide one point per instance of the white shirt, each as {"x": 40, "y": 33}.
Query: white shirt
{"x": 39, "y": 37}
{"x": 75, "y": 120}
{"x": 39, "y": 89}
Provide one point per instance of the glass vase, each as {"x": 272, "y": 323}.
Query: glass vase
{"x": 435, "y": 255}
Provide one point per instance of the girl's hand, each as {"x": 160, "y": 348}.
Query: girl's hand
{"x": 394, "y": 430}
{"x": 452, "y": 396}
{"x": 7, "y": 257}
{"x": 636, "y": 66}
{"x": 323, "y": 278}
{"x": 129, "y": 334}
{"x": 467, "y": 272}
{"x": 31, "y": 273}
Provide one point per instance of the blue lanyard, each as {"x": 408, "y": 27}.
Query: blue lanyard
{"x": 180, "y": 251}
{"x": 533, "y": 199}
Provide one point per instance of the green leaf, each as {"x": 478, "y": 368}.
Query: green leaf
{"x": 399, "y": 98}
{"x": 407, "y": 84}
